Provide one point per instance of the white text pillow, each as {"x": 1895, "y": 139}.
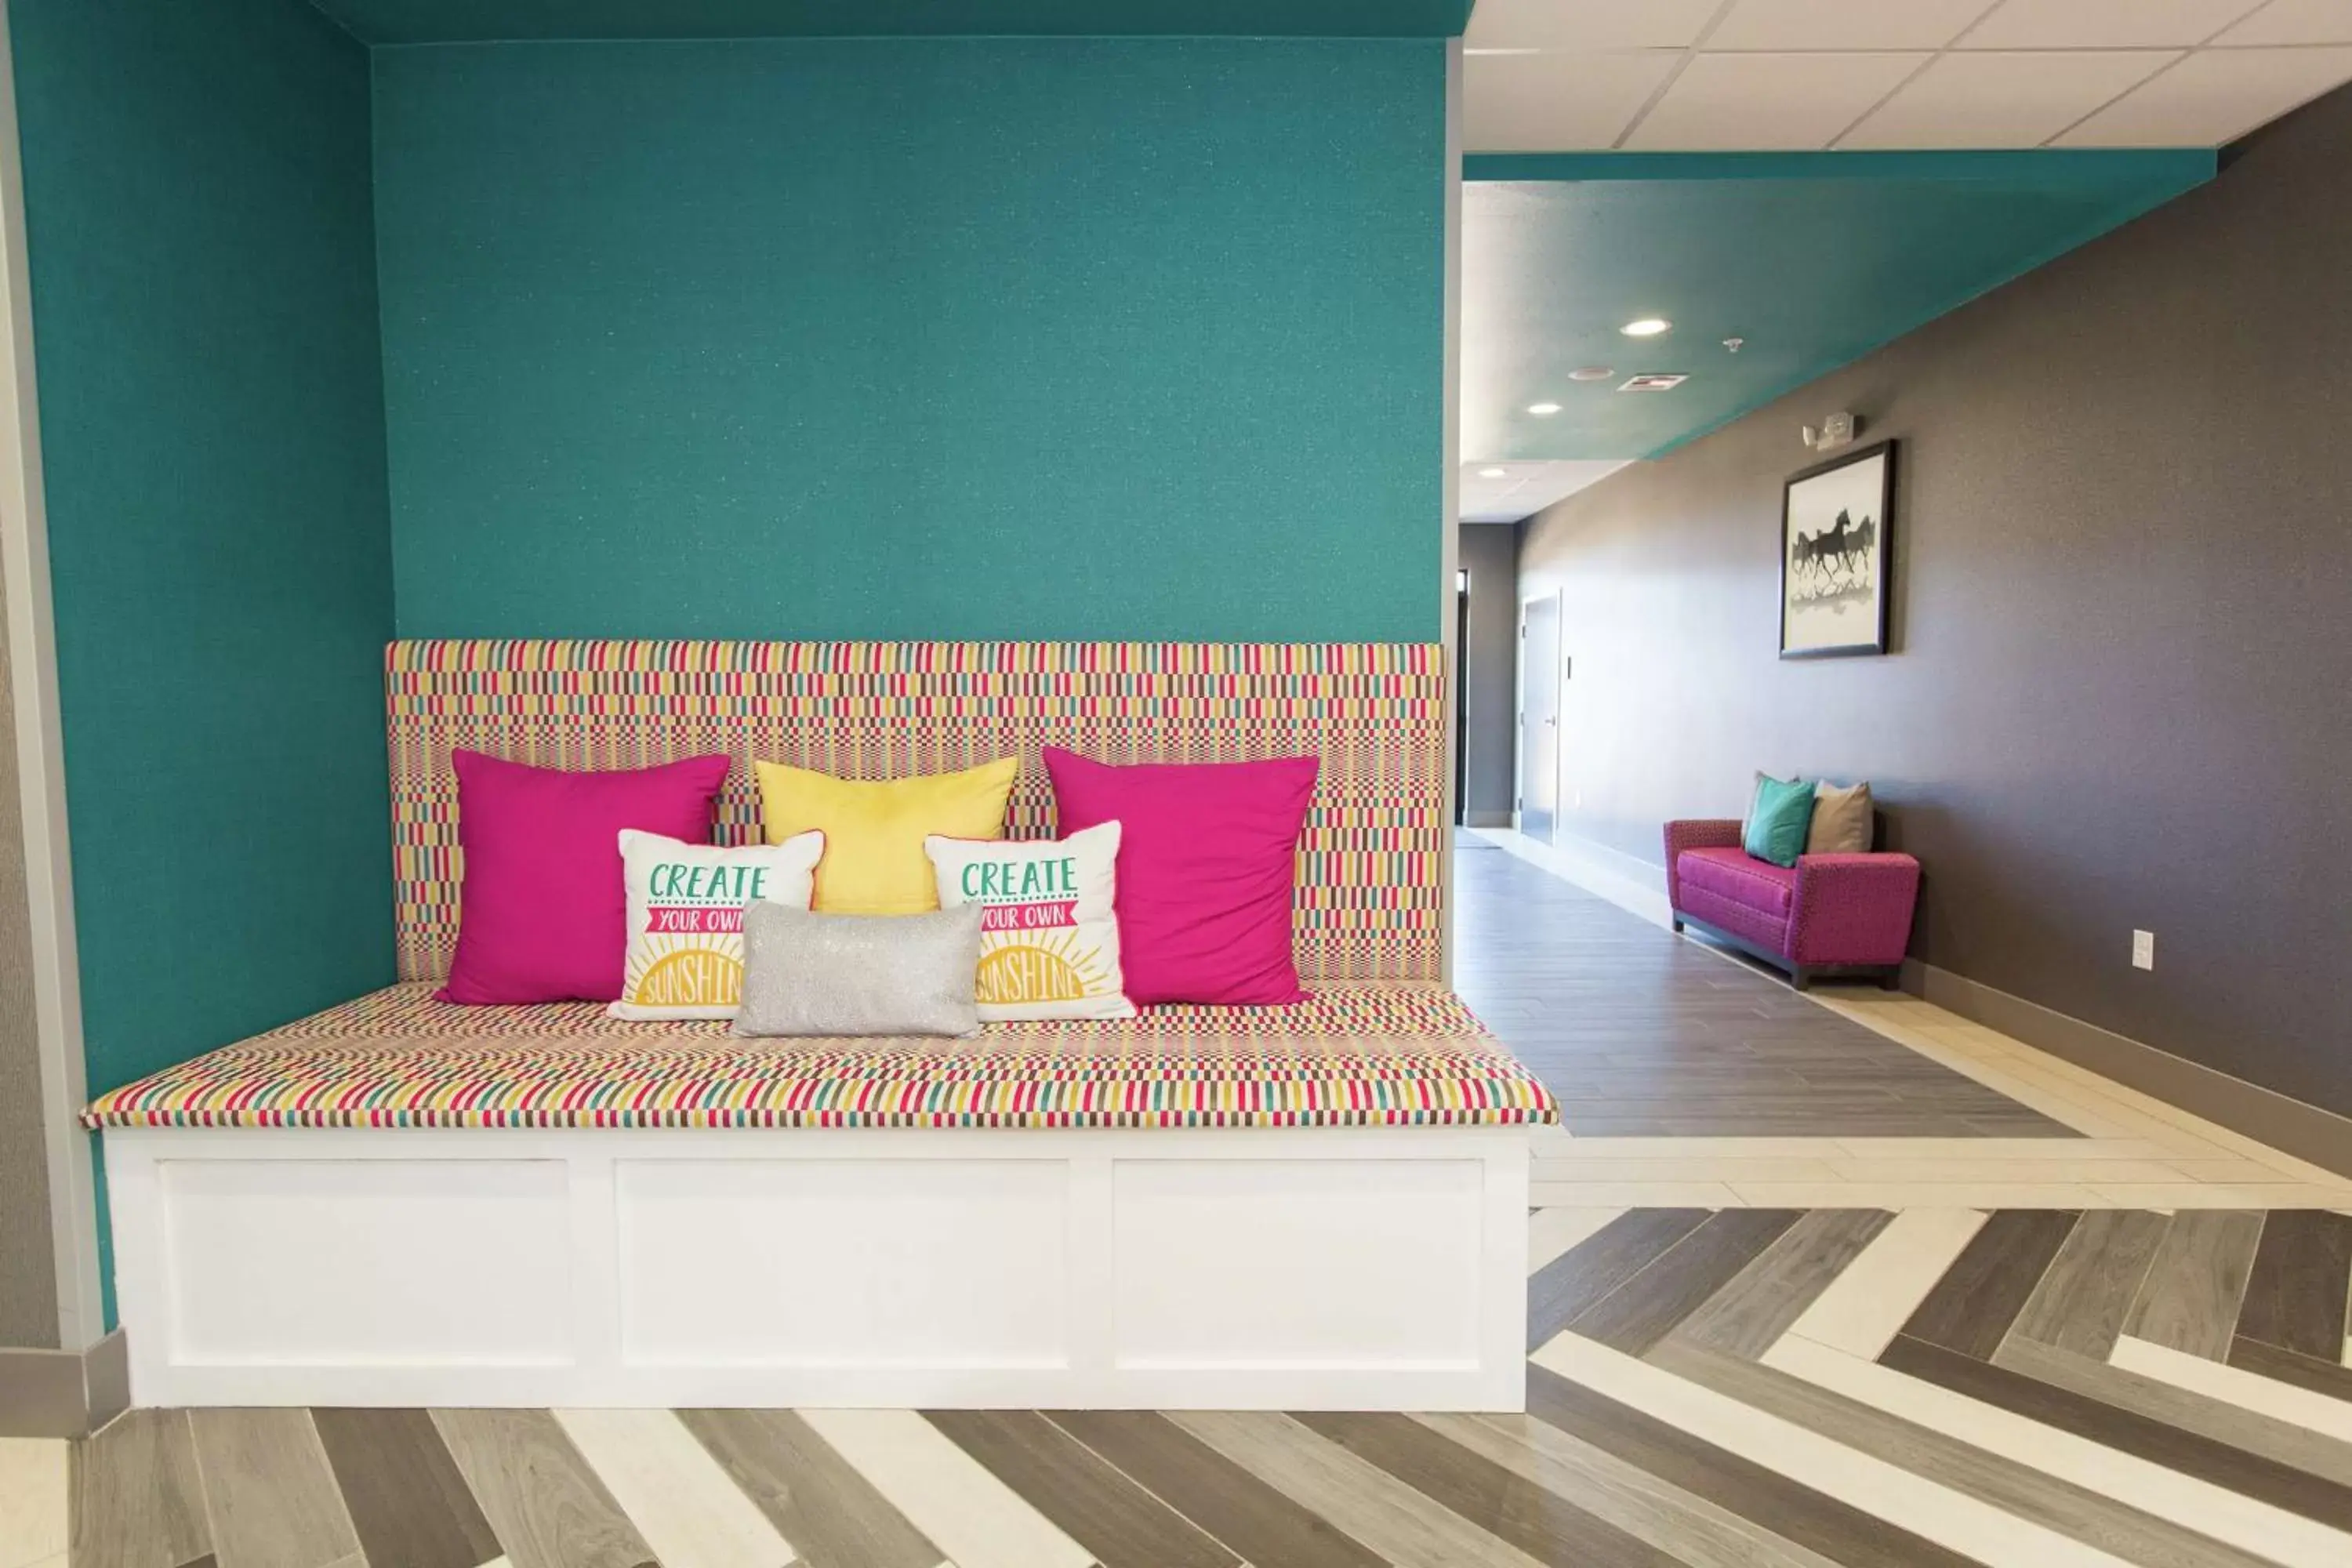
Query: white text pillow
{"x": 686, "y": 917}
{"x": 1049, "y": 942}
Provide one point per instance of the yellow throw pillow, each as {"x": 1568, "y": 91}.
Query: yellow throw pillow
{"x": 873, "y": 831}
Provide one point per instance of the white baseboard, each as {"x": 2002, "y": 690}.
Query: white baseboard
{"x": 1633, "y": 885}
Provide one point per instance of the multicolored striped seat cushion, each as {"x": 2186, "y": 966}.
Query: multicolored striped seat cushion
{"x": 1386, "y": 1056}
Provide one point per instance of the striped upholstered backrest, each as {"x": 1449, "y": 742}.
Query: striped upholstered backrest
{"x": 1370, "y": 902}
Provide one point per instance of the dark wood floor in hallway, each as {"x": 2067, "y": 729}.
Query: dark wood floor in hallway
{"x": 1642, "y": 1034}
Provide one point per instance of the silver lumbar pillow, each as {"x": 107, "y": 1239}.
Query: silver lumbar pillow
{"x": 808, "y": 973}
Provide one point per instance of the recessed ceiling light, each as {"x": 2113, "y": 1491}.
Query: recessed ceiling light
{"x": 1647, "y": 327}
{"x": 1590, "y": 372}
{"x": 1654, "y": 381}
{"x": 1493, "y": 473}
{"x": 1543, "y": 410}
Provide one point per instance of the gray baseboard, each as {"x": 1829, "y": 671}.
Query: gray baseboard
{"x": 64, "y": 1394}
{"x": 2290, "y": 1126}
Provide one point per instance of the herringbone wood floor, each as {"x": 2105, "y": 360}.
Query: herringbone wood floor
{"x": 1837, "y": 1386}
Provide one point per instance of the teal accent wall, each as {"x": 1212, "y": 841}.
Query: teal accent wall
{"x": 915, "y": 338}
{"x": 205, "y": 332}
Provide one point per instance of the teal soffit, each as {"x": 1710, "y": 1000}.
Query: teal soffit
{"x": 1812, "y": 259}
{"x": 484, "y": 21}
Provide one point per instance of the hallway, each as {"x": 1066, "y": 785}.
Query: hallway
{"x": 1641, "y": 1034}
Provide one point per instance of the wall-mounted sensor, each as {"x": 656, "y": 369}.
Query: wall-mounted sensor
{"x": 1837, "y": 430}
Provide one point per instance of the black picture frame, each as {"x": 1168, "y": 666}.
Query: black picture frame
{"x": 1804, "y": 583}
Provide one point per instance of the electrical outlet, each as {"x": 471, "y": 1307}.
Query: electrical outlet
{"x": 2143, "y": 949}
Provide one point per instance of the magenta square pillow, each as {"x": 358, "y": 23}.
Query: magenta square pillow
{"x": 543, "y": 914}
{"x": 1208, "y": 861}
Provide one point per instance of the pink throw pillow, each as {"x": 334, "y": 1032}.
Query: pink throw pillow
{"x": 1208, "y": 861}
{"x": 543, "y": 915}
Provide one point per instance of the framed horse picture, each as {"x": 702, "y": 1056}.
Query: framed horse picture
{"x": 1837, "y": 529}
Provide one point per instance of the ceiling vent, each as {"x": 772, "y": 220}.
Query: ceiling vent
{"x": 1652, "y": 382}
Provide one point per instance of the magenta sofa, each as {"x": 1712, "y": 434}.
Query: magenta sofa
{"x": 1829, "y": 916}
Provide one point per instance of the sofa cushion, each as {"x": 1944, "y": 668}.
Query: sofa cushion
{"x": 1388, "y": 1055}
{"x": 1737, "y": 875}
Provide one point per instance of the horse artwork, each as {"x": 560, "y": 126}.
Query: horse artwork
{"x": 1836, "y": 521}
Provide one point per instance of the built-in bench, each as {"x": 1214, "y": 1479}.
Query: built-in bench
{"x": 400, "y": 1201}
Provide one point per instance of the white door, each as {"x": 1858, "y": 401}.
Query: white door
{"x": 1539, "y": 716}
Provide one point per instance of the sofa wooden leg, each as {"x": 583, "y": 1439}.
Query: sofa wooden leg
{"x": 1800, "y": 978}
{"x": 1678, "y": 925}
{"x": 1891, "y": 980}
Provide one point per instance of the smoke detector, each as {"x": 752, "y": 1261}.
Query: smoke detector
{"x": 1652, "y": 382}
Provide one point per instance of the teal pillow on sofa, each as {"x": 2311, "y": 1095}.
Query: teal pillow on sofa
{"x": 1778, "y": 820}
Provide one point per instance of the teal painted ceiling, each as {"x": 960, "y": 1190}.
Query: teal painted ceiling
{"x": 476, "y": 21}
{"x": 1813, "y": 259}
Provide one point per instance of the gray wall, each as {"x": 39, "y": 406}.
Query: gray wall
{"x": 1490, "y": 664}
{"x": 28, "y": 1296}
{"x": 2121, "y": 689}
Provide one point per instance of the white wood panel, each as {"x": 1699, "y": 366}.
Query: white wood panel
{"x": 327, "y": 1263}
{"x": 1247, "y": 1263}
{"x": 1372, "y": 1268}
{"x": 843, "y": 1262}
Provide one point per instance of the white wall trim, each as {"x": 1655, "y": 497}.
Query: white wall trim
{"x": 40, "y": 753}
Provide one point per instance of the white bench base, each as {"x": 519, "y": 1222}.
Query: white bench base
{"x": 1357, "y": 1268}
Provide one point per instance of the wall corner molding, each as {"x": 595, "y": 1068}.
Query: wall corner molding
{"x": 64, "y": 1394}
{"x": 40, "y": 760}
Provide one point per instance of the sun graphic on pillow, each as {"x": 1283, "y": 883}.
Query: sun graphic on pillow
{"x": 1047, "y": 969}
{"x": 678, "y": 971}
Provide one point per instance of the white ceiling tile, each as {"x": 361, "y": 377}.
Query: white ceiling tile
{"x": 2294, "y": 22}
{"x": 2213, "y": 96}
{"x": 1786, "y": 24}
{"x": 1769, "y": 102}
{"x": 1556, "y": 103}
{"x": 2004, "y": 100}
{"x": 2104, "y": 24}
{"x": 1589, "y": 24}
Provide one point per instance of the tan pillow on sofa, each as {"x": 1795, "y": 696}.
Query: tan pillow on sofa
{"x": 1841, "y": 821}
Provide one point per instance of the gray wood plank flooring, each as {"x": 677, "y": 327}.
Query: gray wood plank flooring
{"x": 1642, "y": 1033}
{"x": 1749, "y": 1314}
{"x": 407, "y": 1500}
{"x": 545, "y": 1504}
{"x": 2091, "y": 1284}
{"x": 1677, "y": 1444}
{"x": 2190, "y": 1299}
{"x": 136, "y": 1497}
{"x": 815, "y": 1499}
{"x": 272, "y": 1501}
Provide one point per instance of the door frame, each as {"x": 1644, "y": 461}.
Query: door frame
{"x": 1519, "y": 708}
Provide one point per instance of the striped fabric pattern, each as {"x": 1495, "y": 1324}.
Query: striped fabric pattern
{"x": 1371, "y": 901}
{"x": 1379, "y": 1056}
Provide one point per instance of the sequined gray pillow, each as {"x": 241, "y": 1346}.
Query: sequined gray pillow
{"x": 808, "y": 973}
